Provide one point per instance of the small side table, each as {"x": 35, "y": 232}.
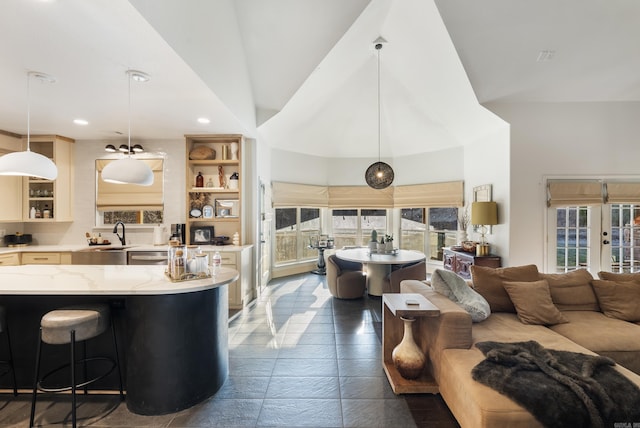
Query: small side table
{"x": 394, "y": 307}
{"x": 322, "y": 266}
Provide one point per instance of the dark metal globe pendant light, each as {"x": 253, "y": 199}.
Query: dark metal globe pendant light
{"x": 379, "y": 175}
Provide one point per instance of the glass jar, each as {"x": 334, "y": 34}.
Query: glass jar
{"x": 202, "y": 265}
{"x": 190, "y": 259}
{"x": 177, "y": 258}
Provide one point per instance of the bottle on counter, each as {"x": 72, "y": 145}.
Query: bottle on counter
{"x": 216, "y": 262}
{"x": 32, "y": 212}
{"x": 46, "y": 213}
{"x": 199, "y": 180}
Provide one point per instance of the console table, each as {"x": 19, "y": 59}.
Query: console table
{"x": 394, "y": 306}
{"x": 460, "y": 262}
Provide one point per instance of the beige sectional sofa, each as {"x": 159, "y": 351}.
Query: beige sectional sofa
{"x": 585, "y": 327}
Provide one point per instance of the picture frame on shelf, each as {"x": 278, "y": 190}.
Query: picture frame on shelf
{"x": 482, "y": 194}
{"x": 202, "y": 235}
{"x": 226, "y": 208}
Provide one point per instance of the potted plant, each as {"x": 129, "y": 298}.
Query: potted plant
{"x": 388, "y": 239}
{"x": 373, "y": 243}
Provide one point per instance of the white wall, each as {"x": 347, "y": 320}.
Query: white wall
{"x": 562, "y": 139}
{"x": 86, "y": 152}
{"x": 444, "y": 165}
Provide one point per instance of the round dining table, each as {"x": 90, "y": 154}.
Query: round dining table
{"x": 378, "y": 265}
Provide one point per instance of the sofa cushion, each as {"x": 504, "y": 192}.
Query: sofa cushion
{"x": 488, "y": 282}
{"x": 572, "y": 291}
{"x": 609, "y": 337}
{"x": 533, "y": 302}
{"x": 613, "y": 276}
{"x": 457, "y": 290}
{"x": 619, "y": 299}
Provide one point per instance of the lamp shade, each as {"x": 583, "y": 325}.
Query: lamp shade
{"x": 484, "y": 213}
{"x": 29, "y": 164}
{"x": 128, "y": 171}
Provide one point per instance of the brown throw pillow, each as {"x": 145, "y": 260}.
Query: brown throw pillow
{"x": 619, "y": 299}
{"x": 620, "y": 277}
{"x": 572, "y": 291}
{"x": 488, "y": 282}
{"x": 533, "y": 303}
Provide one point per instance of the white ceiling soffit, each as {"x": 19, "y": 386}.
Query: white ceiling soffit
{"x": 88, "y": 46}
{"x": 427, "y": 101}
{"x": 596, "y": 44}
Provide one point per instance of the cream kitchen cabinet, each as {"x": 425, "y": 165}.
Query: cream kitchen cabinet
{"x": 52, "y": 199}
{"x": 238, "y": 258}
{"x": 12, "y": 259}
{"x": 10, "y": 186}
{"x": 46, "y": 258}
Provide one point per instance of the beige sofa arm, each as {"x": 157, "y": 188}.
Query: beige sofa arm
{"x": 452, "y": 329}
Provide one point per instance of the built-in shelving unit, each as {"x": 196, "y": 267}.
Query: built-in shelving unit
{"x": 218, "y": 202}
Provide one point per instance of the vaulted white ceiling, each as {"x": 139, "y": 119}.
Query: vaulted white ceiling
{"x": 300, "y": 75}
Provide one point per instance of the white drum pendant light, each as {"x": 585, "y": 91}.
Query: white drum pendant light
{"x": 28, "y": 163}
{"x": 379, "y": 175}
{"x": 129, "y": 170}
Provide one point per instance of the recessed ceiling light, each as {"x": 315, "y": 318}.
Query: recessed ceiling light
{"x": 546, "y": 55}
{"x": 80, "y": 121}
{"x": 203, "y": 120}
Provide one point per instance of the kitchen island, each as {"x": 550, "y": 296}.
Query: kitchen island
{"x": 175, "y": 334}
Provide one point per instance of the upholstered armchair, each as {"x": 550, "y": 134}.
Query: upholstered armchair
{"x": 409, "y": 271}
{"x": 345, "y": 279}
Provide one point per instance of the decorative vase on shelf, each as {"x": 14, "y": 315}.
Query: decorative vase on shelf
{"x": 407, "y": 357}
{"x": 462, "y": 236}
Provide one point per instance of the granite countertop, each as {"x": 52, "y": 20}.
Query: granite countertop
{"x": 107, "y": 280}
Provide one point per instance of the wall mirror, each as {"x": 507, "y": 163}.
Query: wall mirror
{"x": 130, "y": 203}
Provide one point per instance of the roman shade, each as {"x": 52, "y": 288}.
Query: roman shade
{"x": 619, "y": 193}
{"x": 572, "y": 193}
{"x": 127, "y": 197}
{"x": 360, "y": 197}
{"x": 446, "y": 194}
{"x": 299, "y": 195}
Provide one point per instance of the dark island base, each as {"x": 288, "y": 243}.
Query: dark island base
{"x": 173, "y": 348}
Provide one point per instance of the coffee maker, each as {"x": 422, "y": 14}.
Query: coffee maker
{"x": 178, "y": 232}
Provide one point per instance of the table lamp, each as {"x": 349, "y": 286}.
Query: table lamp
{"x": 483, "y": 214}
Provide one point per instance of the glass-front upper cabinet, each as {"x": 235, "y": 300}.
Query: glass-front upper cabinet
{"x": 50, "y": 200}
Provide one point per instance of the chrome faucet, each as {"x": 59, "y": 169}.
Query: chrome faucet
{"x": 115, "y": 230}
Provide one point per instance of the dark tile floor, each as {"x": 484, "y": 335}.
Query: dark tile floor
{"x": 298, "y": 358}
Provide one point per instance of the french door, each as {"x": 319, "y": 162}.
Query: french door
{"x": 596, "y": 237}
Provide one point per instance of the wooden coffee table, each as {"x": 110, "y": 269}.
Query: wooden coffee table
{"x": 393, "y": 307}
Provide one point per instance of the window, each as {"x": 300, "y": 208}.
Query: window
{"x": 572, "y": 238}
{"x": 353, "y": 227}
{"x": 130, "y": 203}
{"x": 431, "y": 237}
{"x": 294, "y": 229}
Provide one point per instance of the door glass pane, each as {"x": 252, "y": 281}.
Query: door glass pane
{"x": 443, "y": 224}
{"x": 572, "y": 238}
{"x": 625, "y": 238}
{"x": 345, "y": 227}
{"x": 412, "y": 229}
{"x": 286, "y": 235}
{"x": 309, "y": 226}
{"x": 373, "y": 219}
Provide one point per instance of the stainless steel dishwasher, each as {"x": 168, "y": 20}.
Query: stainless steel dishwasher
{"x": 158, "y": 257}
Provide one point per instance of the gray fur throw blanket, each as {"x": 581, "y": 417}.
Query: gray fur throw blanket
{"x": 560, "y": 388}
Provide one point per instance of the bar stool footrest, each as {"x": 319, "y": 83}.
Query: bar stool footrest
{"x": 79, "y": 385}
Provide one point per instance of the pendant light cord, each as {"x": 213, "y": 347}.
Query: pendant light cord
{"x": 28, "y": 112}
{"x": 378, "y": 47}
{"x": 129, "y": 88}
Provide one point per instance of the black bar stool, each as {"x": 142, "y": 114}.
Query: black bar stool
{"x": 9, "y": 361}
{"x": 68, "y": 326}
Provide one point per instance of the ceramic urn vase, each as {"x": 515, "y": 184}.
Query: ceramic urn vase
{"x": 407, "y": 357}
